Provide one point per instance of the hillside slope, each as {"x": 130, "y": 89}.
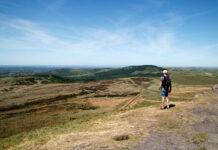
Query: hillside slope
{"x": 74, "y": 75}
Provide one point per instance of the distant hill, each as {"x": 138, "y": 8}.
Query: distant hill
{"x": 131, "y": 71}
{"x": 73, "y": 75}
{"x": 68, "y": 72}
{"x": 125, "y": 71}
{"x": 65, "y": 75}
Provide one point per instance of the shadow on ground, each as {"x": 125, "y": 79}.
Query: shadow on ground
{"x": 171, "y": 105}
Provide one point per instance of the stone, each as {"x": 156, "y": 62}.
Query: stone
{"x": 215, "y": 88}
{"x": 205, "y": 92}
{"x": 197, "y": 95}
{"x": 213, "y": 138}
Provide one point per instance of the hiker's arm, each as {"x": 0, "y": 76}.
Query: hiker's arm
{"x": 170, "y": 87}
{"x": 160, "y": 85}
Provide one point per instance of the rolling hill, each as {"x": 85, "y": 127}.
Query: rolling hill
{"x": 75, "y": 75}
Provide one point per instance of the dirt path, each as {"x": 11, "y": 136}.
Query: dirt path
{"x": 131, "y": 102}
{"x": 195, "y": 120}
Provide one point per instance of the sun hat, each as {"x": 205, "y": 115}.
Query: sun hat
{"x": 165, "y": 71}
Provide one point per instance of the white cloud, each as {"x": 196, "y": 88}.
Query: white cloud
{"x": 139, "y": 38}
{"x": 145, "y": 43}
{"x": 162, "y": 43}
{"x": 138, "y": 44}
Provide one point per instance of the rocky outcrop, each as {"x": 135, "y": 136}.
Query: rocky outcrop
{"x": 215, "y": 88}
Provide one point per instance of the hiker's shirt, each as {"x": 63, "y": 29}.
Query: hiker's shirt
{"x": 162, "y": 79}
{"x": 164, "y": 90}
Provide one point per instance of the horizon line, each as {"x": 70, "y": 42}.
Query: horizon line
{"x": 100, "y": 66}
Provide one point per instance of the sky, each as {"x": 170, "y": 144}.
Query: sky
{"x": 109, "y": 32}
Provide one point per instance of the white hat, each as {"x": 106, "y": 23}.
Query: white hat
{"x": 165, "y": 71}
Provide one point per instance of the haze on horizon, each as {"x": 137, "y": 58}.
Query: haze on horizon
{"x": 109, "y": 33}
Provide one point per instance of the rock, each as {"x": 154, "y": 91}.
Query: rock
{"x": 180, "y": 115}
{"x": 213, "y": 138}
{"x": 197, "y": 95}
{"x": 215, "y": 88}
{"x": 205, "y": 92}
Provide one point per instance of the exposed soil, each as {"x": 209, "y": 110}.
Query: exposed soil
{"x": 205, "y": 121}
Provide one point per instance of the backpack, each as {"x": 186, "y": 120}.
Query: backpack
{"x": 166, "y": 83}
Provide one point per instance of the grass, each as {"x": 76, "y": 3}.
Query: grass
{"x": 45, "y": 133}
{"x": 196, "y": 71}
{"x": 191, "y": 79}
{"x": 151, "y": 94}
{"x": 202, "y": 148}
{"x": 169, "y": 124}
{"x": 173, "y": 99}
{"x": 21, "y": 122}
{"x": 155, "y": 95}
{"x": 143, "y": 104}
{"x": 182, "y": 96}
{"x": 47, "y": 113}
{"x": 121, "y": 104}
{"x": 56, "y": 92}
{"x": 199, "y": 138}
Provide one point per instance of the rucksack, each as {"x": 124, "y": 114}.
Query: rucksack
{"x": 166, "y": 82}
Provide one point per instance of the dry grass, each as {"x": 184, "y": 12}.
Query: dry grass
{"x": 189, "y": 89}
{"x": 168, "y": 121}
{"x": 53, "y": 107}
{"x": 99, "y": 132}
{"x": 107, "y": 102}
{"x": 54, "y": 92}
{"x": 67, "y": 127}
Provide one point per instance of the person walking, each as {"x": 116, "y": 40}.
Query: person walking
{"x": 165, "y": 87}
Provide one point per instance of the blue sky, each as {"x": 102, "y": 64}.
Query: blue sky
{"x": 109, "y": 32}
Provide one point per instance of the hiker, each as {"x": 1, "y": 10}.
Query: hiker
{"x": 165, "y": 87}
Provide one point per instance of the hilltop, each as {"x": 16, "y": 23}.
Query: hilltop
{"x": 106, "y": 73}
{"x": 66, "y": 75}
